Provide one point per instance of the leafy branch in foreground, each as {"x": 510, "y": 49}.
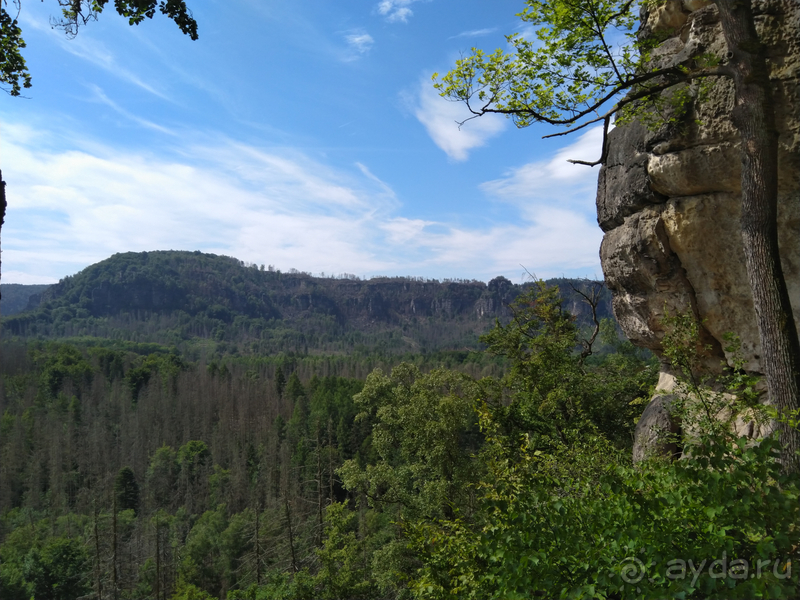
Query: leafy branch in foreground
{"x": 576, "y": 520}
{"x": 80, "y": 12}
{"x": 14, "y": 72}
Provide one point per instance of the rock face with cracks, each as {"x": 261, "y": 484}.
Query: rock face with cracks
{"x": 669, "y": 199}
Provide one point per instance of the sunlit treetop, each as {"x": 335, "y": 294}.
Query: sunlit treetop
{"x": 584, "y": 54}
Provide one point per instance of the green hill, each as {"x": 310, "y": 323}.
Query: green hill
{"x": 191, "y": 299}
{"x": 16, "y": 297}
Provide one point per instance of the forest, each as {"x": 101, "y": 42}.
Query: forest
{"x": 204, "y": 304}
{"x": 138, "y": 469}
{"x": 185, "y": 426}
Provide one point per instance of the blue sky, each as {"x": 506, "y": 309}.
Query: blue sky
{"x": 300, "y": 134}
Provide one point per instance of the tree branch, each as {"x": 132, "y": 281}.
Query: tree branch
{"x": 712, "y": 72}
{"x": 599, "y": 32}
{"x": 675, "y": 76}
{"x": 603, "y": 151}
{"x": 622, "y": 11}
{"x": 625, "y": 85}
{"x": 592, "y": 299}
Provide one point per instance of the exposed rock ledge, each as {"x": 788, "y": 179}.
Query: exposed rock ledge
{"x": 669, "y": 200}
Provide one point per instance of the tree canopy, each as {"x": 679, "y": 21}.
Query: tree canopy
{"x": 583, "y": 56}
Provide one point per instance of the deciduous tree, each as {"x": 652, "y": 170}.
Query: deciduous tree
{"x": 575, "y": 73}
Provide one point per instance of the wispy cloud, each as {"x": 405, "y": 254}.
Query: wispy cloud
{"x": 104, "y": 99}
{"x": 95, "y": 53}
{"x": 372, "y": 177}
{"x": 474, "y": 33}
{"x": 264, "y": 206}
{"x": 441, "y": 117}
{"x": 554, "y": 180}
{"x": 359, "y": 41}
{"x": 396, "y": 11}
{"x": 76, "y": 205}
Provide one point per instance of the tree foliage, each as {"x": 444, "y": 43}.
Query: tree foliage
{"x": 127, "y": 490}
{"x": 421, "y": 483}
{"x": 581, "y": 523}
{"x": 14, "y": 72}
{"x": 423, "y": 436}
{"x": 57, "y": 571}
{"x": 572, "y": 518}
{"x": 552, "y": 392}
{"x": 582, "y": 56}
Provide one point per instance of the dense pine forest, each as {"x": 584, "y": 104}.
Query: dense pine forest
{"x": 184, "y": 426}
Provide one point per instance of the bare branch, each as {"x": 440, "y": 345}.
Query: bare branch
{"x": 603, "y": 151}
{"x": 593, "y": 300}
{"x": 676, "y": 72}
{"x": 623, "y": 10}
{"x": 608, "y": 115}
{"x": 675, "y": 76}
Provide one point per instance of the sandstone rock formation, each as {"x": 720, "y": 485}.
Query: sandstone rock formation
{"x": 654, "y": 423}
{"x": 669, "y": 200}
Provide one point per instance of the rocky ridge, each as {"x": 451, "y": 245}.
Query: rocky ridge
{"x": 172, "y": 297}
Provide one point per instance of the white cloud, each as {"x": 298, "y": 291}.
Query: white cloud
{"x": 73, "y": 205}
{"x": 361, "y": 42}
{"x": 396, "y": 11}
{"x": 555, "y": 200}
{"x": 93, "y": 52}
{"x": 550, "y": 241}
{"x": 70, "y": 208}
{"x": 441, "y": 117}
{"x": 554, "y": 179}
{"x": 104, "y": 99}
{"x": 372, "y": 177}
{"x": 27, "y": 279}
{"x": 474, "y": 33}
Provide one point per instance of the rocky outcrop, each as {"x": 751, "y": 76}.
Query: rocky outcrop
{"x": 656, "y": 430}
{"x": 669, "y": 199}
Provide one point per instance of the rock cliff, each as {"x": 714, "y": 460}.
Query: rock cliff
{"x": 171, "y": 297}
{"x": 669, "y": 200}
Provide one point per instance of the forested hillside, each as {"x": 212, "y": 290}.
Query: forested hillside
{"x": 203, "y": 303}
{"x": 132, "y": 471}
{"x": 17, "y": 296}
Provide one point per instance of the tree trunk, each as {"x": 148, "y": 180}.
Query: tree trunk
{"x": 258, "y": 545}
{"x": 754, "y": 117}
{"x": 97, "y": 558}
{"x": 114, "y": 582}
{"x": 158, "y": 563}
{"x": 291, "y": 534}
{"x": 3, "y": 205}
{"x": 320, "y": 520}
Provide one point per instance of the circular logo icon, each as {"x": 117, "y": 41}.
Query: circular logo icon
{"x": 632, "y": 570}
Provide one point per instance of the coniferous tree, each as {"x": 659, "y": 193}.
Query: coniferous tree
{"x": 127, "y": 490}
